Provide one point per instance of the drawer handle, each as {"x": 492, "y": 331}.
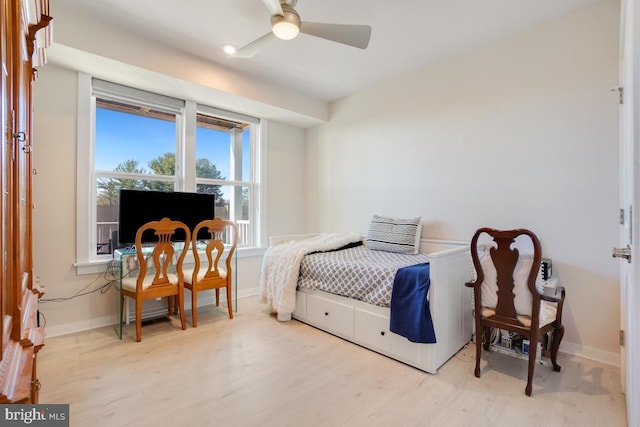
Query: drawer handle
{"x": 382, "y": 333}
{"x": 326, "y": 313}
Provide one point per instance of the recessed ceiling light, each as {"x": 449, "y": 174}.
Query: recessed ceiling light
{"x": 229, "y": 49}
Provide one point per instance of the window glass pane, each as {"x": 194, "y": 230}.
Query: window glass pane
{"x": 222, "y": 197}
{"x": 246, "y": 154}
{"x": 107, "y": 223}
{"x": 131, "y": 138}
{"x": 243, "y": 212}
{"x": 226, "y": 145}
{"x": 213, "y": 153}
{"x": 242, "y": 217}
{"x": 232, "y": 201}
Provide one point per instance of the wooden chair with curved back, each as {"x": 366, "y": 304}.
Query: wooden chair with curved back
{"x": 506, "y": 295}
{"x": 210, "y": 274}
{"x": 154, "y": 279}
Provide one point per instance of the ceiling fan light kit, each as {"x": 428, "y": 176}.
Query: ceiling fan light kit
{"x": 286, "y": 25}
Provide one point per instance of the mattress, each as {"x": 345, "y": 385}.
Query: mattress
{"x": 359, "y": 273}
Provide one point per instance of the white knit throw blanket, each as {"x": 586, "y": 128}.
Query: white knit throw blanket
{"x": 281, "y": 264}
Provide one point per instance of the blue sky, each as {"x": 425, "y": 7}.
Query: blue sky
{"x": 121, "y": 136}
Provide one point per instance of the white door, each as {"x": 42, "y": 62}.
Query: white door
{"x": 629, "y": 250}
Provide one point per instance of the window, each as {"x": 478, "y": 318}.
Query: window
{"x": 223, "y": 166}
{"x": 142, "y": 140}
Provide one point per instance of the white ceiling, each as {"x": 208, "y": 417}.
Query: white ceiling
{"x": 406, "y": 34}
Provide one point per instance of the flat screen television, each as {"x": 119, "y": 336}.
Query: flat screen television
{"x": 138, "y": 207}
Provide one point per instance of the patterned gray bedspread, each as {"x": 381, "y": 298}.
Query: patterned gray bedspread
{"x": 358, "y": 273}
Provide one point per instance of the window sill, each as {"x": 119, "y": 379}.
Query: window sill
{"x": 100, "y": 265}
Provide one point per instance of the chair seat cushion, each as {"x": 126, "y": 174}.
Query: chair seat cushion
{"x": 188, "y": 274}
{"x": 130, "y": 283}
{"x": 547, "y": 314}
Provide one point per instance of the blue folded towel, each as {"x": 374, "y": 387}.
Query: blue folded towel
{"x": 410, "y": 314}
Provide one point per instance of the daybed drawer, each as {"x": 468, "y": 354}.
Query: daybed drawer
{"x": 372, "y": 330}
{"x": 330, "y": 315}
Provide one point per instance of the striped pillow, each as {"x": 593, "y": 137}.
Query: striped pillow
{"x": 394, "y": 234}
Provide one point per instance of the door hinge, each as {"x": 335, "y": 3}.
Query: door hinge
{"x": 620, "y": 90}
{"x": 621, "y": 216}
{"x": 621, "y": 338}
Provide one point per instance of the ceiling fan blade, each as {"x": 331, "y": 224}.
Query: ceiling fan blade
{"x": 352, "y": 35}
{"x": 249, "y": 50}
{"x": 274, "y": 7}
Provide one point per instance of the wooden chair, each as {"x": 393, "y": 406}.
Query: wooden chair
{"x": 503, "y": 272}
{"x": 155, "y": 280}
{"x": 210, "y": 274}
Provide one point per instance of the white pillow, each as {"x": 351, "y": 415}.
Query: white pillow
{"x": 489, "y": 287}
{"x": 400, "y": 235}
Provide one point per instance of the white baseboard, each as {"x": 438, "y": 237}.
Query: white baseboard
{"x": 99, "y": 322}
{"x": 85, "y": 325}
{"x": 590, "y": 353}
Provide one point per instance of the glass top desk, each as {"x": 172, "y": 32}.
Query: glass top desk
{"x": 127, "y": 266}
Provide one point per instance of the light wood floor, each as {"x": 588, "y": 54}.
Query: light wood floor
{"x": 256, "y": 371}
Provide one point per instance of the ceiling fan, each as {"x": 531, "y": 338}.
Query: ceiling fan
{"x": 286, "y": 24}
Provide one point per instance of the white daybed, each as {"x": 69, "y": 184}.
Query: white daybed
{"x": 368, "y": 325}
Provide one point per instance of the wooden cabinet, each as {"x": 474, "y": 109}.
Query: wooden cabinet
{"x": 24, "y": 34}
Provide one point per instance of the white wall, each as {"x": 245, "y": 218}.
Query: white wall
{"x": 522, "y": 133}
{"x": 285, "y": 183}
{"x": 54, "y": 216}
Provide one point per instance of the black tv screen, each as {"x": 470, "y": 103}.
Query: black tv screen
{"x": 138, "y": 207}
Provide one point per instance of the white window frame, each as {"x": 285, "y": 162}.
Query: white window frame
{"x": 87, "y": 262}
{"x": 236, "y": 152}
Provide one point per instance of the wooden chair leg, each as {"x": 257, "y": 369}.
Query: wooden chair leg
{"x": 217, "y": 297}
{"x": 181, "y": 308}
{"x": 487, "y": 337}
{"x": 194, "y": 307}
{"x": 229, "y": 302}
{"x": 138, "y": 319}
{"x": 476, "y": 372}
{"x": 479, "y": 336}
{"x": 533, "y": 348}
{"x": 558, "y": 333}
